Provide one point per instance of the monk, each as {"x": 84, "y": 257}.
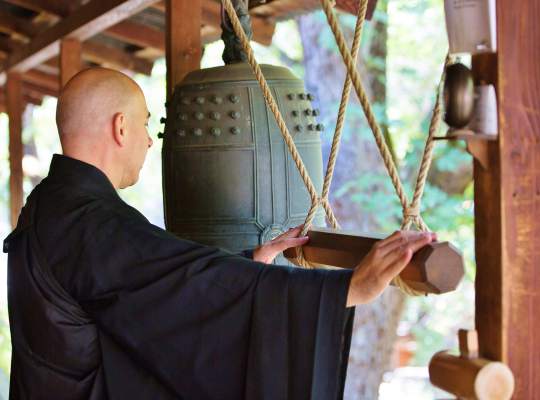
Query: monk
{"x": 105, "y": 305}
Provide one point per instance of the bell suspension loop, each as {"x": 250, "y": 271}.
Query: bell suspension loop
{"x": 233, "y": 51}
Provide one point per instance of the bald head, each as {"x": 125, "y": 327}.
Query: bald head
{"x": 101, "y": 117}
{"x": 90, "y": 99}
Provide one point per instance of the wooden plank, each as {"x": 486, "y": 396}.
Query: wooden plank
{"x": 508, "y": 203}
{"x": 114, "y": 58}
{"x": 436, "y": 268}
{"x": 519, "y": 108}
{"x": 29, "y": 97}
{"x": 39, "y": 78}
{"x": 11, "y": 24}
{"x": 14, "y": 106}
{"x": 263, "y": 28}
{"x": 138, "y": 34}
{"x": 127, "y": 31}
{"x": 70, "y": 59}
{"x": 56, "y": 7}
{"x": 82, "y": 24}
{"x": 488, "y": 233}
{"x": 44, "y": 91}
{"x": 183, "y": 40}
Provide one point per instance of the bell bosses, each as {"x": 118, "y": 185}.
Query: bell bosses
{"x": 105, "y": 305}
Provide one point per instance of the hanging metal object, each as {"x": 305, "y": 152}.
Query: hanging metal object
{"x": 458, "y": 96}
{"x": 228, "y": 177}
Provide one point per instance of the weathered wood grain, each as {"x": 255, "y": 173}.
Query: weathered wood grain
{"x": 14, "y": 106}
{"x": 183, "y": 41}
{"x": 508, "y": 202}
{"x": 70, "y": 59}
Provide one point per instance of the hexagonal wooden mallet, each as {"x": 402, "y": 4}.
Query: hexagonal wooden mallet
{"x": 436, "y": 268}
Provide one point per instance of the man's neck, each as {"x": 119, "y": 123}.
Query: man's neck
{"x": 98, "y": 160}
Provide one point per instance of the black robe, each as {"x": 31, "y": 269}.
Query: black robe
{"x": 105, "y": 305}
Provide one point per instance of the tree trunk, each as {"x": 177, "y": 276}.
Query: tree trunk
{"x": 375, "y": 323}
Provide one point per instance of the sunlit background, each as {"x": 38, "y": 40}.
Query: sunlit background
{"x": 416, "y": 46}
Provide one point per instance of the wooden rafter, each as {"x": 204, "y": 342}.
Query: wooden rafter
{"x": 128, "y": 31}
{"x": 138, "y": 34}
{"x": 111, "y": 56}
{"x": 82, "y": 24}
{"x": 42, "y": 79}
{"x": 56, "y": 7}
{"x": 12, "y": 24}
{"x": 263, "y": 28}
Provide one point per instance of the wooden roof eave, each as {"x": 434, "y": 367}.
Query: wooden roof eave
{"x": 83, "y": 23}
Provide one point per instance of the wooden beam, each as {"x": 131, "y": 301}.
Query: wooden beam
{"x": 57, "y": 7}
{"x": 138, "y": 34}
{"x": 42, "y": 79}
{"x": 160, "y": 6}
{"x": 183, "y": 41}
{"x": 507, "y": 202}
{"x": 44, "y": 91}
{"x": 12, "y": 24}
{"x": 14, "y": 106}
{"x": 488, "y": 244}
{"x": 8, "y": 45}
{"x": 436, "y": 268}
{"x": 29, "y": 97}
{"x": 263, "y": 28}
{"x": 70, "y": 59}
{"x": 127, "y": 31}
{"x": 114, "y": 58}
{"x": 82, "y": 24}
{"x": 468, "y": 376}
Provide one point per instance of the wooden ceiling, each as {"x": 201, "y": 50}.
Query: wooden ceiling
{"x": 126, "y": 35}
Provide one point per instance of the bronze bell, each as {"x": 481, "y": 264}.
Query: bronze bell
{"x": 228, "y": 177}
{"x": 458, "y": 96}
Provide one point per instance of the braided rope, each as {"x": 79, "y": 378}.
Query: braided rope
{"x": 411, "y": 212}
{"x": 336, "y": 140}
{"x": 366, "y": 105}
{"x": 345, "y": 94}
{"x": 315, "y": 199}
{"x": 272, "y": 105}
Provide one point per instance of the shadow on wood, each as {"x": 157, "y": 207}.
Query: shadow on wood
{"x": 436, "y": 268}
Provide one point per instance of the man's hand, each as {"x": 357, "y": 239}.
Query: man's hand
{"x": 386, "y": 260}
{"x": 269, "y": 250}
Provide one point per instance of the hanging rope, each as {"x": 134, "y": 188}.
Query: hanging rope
{"x": 289, "y": 141}
{"x": 334, "y": 150}
{"x": 411, "y": 213}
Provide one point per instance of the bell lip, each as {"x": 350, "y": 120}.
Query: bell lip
{"x": 236, "y": 73}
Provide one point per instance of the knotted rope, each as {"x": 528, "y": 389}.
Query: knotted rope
{"x": 411, "y": 213}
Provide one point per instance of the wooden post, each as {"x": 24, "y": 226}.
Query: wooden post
{"x": 183, "y": 35}
{"x": 14, "y": 106}
{"x": 507, "y": 202}
{"x": 70, "y": 59}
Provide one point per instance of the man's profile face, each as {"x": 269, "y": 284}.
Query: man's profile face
{"x": 139, "y": 140}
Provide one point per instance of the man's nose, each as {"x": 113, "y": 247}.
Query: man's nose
{"x": 150, "y": 142}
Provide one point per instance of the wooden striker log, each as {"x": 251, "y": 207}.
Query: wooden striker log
{"x": 475, "y": 378}
{"x": 436, "y": 268}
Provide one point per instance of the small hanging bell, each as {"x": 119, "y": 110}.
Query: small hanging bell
{"x": 458, "y": 96}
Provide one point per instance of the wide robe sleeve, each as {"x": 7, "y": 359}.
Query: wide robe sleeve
{"x": 206, "y": 324}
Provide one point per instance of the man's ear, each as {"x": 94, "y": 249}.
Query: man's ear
{"x": 119, "y": 126}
